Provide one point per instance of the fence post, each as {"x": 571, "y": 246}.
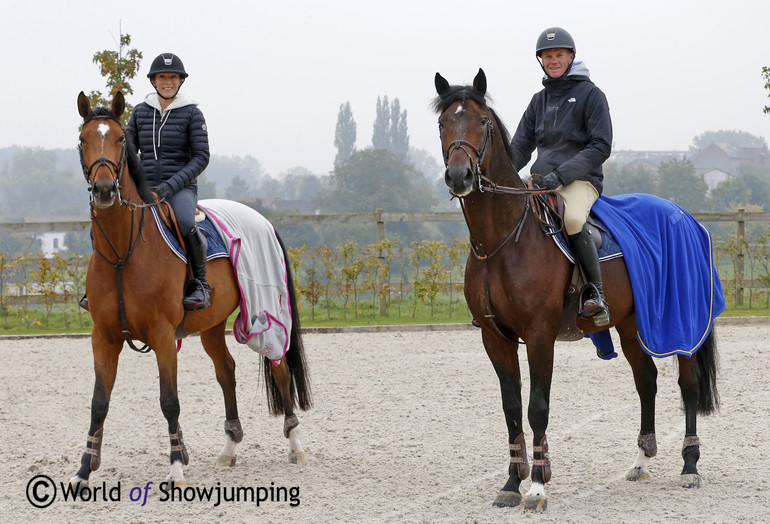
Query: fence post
{"x": 739, "y": 289}
{"x": 380, "y": 238}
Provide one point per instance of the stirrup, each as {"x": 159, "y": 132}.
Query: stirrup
{"x": 197, "y": 295}
{"x": 595, "y": 307}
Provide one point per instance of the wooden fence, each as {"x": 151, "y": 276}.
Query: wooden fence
{"x": 381, "y": 218}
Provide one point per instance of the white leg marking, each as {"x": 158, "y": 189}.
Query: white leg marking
{"x": 176, "y": 475}
{"x": 642, "y": 460}
{"x": 536, "y": 490}
{"x": 639, "y": 470}
{"x": 227, "y": 457}
{"x": 296, "y": 453}
{"x": 294, "y": 442}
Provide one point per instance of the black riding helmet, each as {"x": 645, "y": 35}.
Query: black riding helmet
{"x": 554, "y": 38}
{"x": 167, "y": 63}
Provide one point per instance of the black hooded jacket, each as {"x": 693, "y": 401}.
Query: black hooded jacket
{"x": 569, "y": 124}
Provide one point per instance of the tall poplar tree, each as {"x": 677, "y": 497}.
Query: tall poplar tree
{"x": 345, "y": 135}
{"x": 381, "y": 133}
{"x": 390, "y": 128}
{"x": 399, "y": 137}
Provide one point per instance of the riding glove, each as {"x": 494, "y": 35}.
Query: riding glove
{"x": 550, "y": 181}
{"x": 163, "y": 191}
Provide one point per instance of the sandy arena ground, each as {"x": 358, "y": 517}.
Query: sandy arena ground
{"x": 407, "y": 428}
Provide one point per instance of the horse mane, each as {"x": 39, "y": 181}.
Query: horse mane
{"x": 442, "y": 102}
{"x": 135, "y": 168}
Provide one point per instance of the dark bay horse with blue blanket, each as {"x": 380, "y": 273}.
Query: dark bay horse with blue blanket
{"x": 135, "y": 285}
{"x": 517, "y": 283}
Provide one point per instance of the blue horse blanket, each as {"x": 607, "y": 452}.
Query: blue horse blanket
{"x": 669, "y": 256}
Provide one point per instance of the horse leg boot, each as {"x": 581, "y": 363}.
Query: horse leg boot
{"x": 197, "y": 293}
{"x": 595, "y": 306}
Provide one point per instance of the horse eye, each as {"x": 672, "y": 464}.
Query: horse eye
{"x": 484, "y": 120}
{"x": 121, "y": 138}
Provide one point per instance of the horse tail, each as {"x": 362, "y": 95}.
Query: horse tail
{"x": 707, "y": 362}
{"x": 294, "y": 358}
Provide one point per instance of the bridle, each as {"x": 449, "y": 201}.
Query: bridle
{"x": 116, "y": 170}
{"x": 464, "y": 145}
{"x": 486, "y": 185}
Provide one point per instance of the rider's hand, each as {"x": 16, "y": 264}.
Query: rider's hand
{"x": 163, "y": 191}
{"x": 550, "y": 181}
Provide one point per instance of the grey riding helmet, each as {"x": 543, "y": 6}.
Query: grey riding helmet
{"x": 554, "y": 38}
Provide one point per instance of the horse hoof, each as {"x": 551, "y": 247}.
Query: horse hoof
{"x": 636, "y": 474}
{"x": 691, "y": 480}
{"x": 534, "y": 505}
{"x": 507, "y": 499}
{"x": 297, "y": 457}
{"x": 170, "y": 484}
{"x": 76, "y": 483}
{"x": 226, "y": 460}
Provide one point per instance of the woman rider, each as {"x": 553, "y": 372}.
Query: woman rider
{"x": 170, "y": 133}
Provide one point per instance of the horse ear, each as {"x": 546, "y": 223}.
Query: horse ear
{"x": 441, "y": 84}
{"x": 118, "y": 104}
{"x": 480, "y": 82}
{"x": 84, "y": 106}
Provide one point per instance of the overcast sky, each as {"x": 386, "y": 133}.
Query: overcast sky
{"x": 270, "y": 75}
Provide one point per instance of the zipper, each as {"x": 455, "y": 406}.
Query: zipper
{"x": 163, "y": 121}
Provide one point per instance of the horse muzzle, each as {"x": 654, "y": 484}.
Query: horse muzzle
{"x": 104, "y": 193}
{"x": 459, "y": 179}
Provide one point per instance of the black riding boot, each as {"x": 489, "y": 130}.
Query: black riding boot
{"x": 197, "y": 292}
{"x": 595, "y": 306}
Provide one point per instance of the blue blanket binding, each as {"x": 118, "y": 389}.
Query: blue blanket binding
{"x": 669, "y": 256}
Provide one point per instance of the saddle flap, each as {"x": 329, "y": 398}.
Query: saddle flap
{"x": 166, "y": 213}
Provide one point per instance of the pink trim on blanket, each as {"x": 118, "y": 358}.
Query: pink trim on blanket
{"x": 243, "y": 315}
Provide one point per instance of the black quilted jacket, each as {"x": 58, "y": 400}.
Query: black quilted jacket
{"x": 173, "y": 145}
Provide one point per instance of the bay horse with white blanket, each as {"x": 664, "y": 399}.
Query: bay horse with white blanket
{"x": 135, "y": 285}
{"x": 516, "y": 284}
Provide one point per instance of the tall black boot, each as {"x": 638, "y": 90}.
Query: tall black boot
{"x": 197, "y": 292}
{"x": 594, "y": 306}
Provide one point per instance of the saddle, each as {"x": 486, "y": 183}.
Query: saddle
{"x": 549, "y": 210}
